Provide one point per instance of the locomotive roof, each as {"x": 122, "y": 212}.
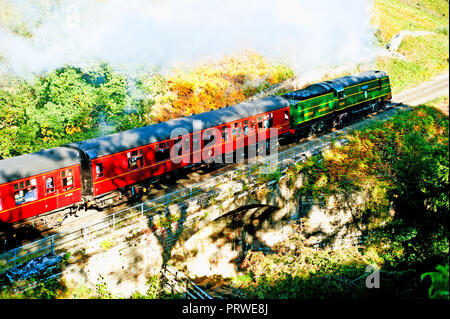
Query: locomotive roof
{"x": 309, "y": 91}
{"x": 23, "y": 166}
{"x": 336, "y": 84}
{"x": 110, "y": 144}
{"x": 359, "y": 78}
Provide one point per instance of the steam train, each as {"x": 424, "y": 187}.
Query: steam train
{"x": 50, "y": 184}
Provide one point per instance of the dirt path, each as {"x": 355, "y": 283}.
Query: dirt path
{"x": 427, "y": 91}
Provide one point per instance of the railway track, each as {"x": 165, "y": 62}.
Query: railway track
{"x": 24, "y": 232}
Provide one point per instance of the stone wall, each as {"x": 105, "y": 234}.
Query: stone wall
{"x": 211, "y": 234}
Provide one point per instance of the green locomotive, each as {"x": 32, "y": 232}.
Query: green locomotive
{"x": 331, "y": 103}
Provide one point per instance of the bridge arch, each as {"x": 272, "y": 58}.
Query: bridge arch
{"x": 220, "y": 245}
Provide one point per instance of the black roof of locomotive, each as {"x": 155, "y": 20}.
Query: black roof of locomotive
{"x": 320, "y": 88}
{"x": 308, "y": 92}
{"x": 358, "y": 78}
{"x": 23, "y": 166}
{"x": 122, "y": 141}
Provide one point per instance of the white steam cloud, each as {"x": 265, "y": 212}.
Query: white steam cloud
{"x": 306, "y": 34}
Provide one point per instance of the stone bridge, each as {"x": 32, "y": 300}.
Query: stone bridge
{"x": 209, "y": 234}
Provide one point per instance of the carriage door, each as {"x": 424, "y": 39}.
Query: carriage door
{"x": 67, "y": 184}
{"x": 50, "y": 191}
{"x": 364, "y": 90}
{"x": 239, "y": 146}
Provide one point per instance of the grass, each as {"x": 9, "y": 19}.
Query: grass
{"x": 393, "y": 16}
{"x": 426, "y": 56}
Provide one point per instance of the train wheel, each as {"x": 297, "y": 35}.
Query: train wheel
{"x": 58, "y": 219}
{"x": 39, "y": 223}
{"x": 9, "y": 234}
{"x": 270, "y": 147}
{"x": 174, "y": 175}
{"x": 302, "y": 133}
{"x": 317, "y": 127}
{"x": 337, "y": 122}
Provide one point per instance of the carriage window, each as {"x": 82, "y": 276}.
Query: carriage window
{"x": 225, "y": 133}
{"x": 67, "y": 179}
{"x": 49, "y": 185}
{"x": 99, "y": 169}
{"x": 163, "y": 153}
{"x": 25, "y": 192}
{"x": 135, "y": 159}
{"x": 260, "y": 124}
{"x": 246, "y": 130}
{"x": 239, "y": 131}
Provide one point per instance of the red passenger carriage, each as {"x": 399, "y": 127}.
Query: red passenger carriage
{"x": 37, "y": 183}
{"x": 119, "y": 161}
{"x": 111, "y": 169}
{"x": 114, "y": 168}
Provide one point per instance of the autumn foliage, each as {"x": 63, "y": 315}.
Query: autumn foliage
{"x": 214, "y": 85}
{"x": 72, "y": 104}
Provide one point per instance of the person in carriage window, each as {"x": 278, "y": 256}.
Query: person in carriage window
{"x": 30, "y": 195}
{"x": 49, "y": 183}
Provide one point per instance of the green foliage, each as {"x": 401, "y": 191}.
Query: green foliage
{"x": 154, "y": 287}
{"x": 101, "y": 289}
{"x": 401, "y": 166}
{"x": 296, "y": 271}
{"x": 439, "y": 282}
{"x": 57, "y": 289}
{"x": 274, "y": 176}
{"x": 49, "y": 289}
{"x": 108, "y": 243}
{"x": 71, "y": 104}
{"x": 66, "y": 105}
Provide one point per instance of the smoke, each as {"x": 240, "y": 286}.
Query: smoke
{"x": 130, "y": 34}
